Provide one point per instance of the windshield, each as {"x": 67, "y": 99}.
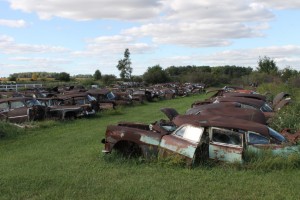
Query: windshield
{"x": 190, "y": 132}
{"x": 110, "y": 96}
{"x": 91, "y": 98}
{"x": 276, "y": 135}
{"x": 33, "y": 102}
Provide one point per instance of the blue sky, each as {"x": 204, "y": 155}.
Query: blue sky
{"x": 81, "y": 36}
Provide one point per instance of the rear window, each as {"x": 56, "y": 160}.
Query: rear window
{"x": 266, "y": 108}
{"x": 3, "y": 106}
{"x": 254, "y": 138}
{"x": 274, "y": 134}
{"x": 17, "y": 104}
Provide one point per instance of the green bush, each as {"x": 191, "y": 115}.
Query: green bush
{"x": 287, "y": 117}
{"x": 9, "y": 131}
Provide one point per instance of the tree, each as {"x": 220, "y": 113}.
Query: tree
{"x": 108, "y": 79}
{"x": 124, "y": 66}
{"x": 97, "y": 75}
{"x": 155, "y": 75}
{"x": 34, "y": 76}
{"x": 287, "y": 73}
{"x": 267, "y": 65}
{"x": 12, "y": 77}
{"x": 63, "y": 76}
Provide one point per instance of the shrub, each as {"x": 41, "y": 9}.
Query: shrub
{"x": 9, "y": 131}
{"x": 287, "y": 117}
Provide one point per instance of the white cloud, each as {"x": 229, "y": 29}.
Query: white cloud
{"x": 90, "y": 9}
{"x": 215, "y": 11}
{"x": 279, "y": 4}
{"x": 13, "y": 23}
{"x": 42, "y": 61}
{"x": 196, "y": 24}
{"x": 282, "y": 55}
{"x": 9, "y": 46}
{"x": 195, "y": 34}
{"x": 204, "y": 23}
{"x": 114, "y": 46}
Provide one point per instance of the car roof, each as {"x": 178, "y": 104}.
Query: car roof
{"x": 199, "y": 108}
{"x": 241, "y": 113}
{"x": 15, "y": 99}
{"x": 245, "y": 95}
{"x": 221, "y": 122}
{"x": 249, "y": 101}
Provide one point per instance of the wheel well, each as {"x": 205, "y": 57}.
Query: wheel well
{"x": 70, "y": 115}
{"x": 128, "y": 149}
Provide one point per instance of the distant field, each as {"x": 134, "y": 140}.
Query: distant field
{"x": 63, "y": 160}
{"x": 29, "y": 79}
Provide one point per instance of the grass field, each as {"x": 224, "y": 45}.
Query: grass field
{"x": 63, "y": 160}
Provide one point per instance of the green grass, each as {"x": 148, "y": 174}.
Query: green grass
{"x": 63, "y": 160}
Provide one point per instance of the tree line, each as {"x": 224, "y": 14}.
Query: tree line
{"x": 266, "y": 71}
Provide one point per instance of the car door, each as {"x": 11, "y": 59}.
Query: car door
{"x": 4, "y": 108}
{"x": 182, "y": 142}
{"x": 225, "y": 145}
{"x": 18, "y": 112}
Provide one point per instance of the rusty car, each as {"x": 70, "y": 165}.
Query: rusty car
{"x": 21, "y": 109}
{"x": 243, "y": 102}
{"x": 110, "y": 99}
{"x": 87, "y": 102}
{"x": 55, "y": 109}
{"x": 230, "y": 109}
{"x": 193, "y": 139}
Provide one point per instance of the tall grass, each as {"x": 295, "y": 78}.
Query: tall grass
{"x": 63, "y": 160}
{"x": 288, "y": 116}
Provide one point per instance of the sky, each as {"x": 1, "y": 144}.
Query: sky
{"x": 82, "y": 36}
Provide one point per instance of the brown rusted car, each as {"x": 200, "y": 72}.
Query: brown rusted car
{"x": 195, "y": 139}
{"x": 88, "y": 103}
{"x": 229, "y": 109}
{"x": 21, "y": 109}
{"x": 55, "y": 109}
{"x": 242, "y": 102}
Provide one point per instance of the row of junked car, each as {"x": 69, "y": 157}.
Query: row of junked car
{"x": 223, "y": 128}
{"x": 73, "y": 102}
{"x": 39, "y": 104}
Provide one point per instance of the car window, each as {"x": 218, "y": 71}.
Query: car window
{"x": 276, "y": 135}
{"x": 227, "y": 136}
{"x": 91, "y": 98}
{"x": 32, "y": 102}
{"x": 110, "y": 96}
{"x": 180, "y": 131}
{"x": 254, "y": 138}
{"x": 79, "y": 101}
{"x": 17, "y": 104}
{"x": 266, "y": 108}
{"x": 3, "y": 106}
{"x": 247, "y": 106}
{"x": 190, "y": 133}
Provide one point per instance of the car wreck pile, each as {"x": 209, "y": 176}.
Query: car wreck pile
{"x": 223, "y": 128}
{"x": 73, "y": 102}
